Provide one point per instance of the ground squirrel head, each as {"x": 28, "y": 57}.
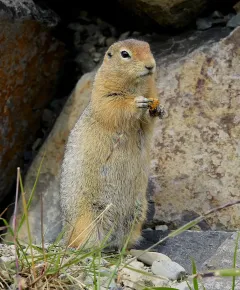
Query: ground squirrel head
{"x": 127, "y": 71}
{"x": 129, "y": 58}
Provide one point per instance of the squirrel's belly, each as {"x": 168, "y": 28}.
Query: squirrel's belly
{"x": 125, "y": 172}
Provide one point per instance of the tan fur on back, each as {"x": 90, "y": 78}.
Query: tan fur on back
{"x": 106, "y": 162}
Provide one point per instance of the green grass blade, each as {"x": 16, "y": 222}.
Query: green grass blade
{"x": 32, "y": 192}
{"x": 159, "y": 288}
{"x": 10, "y": 230}
{"x": 194, "y": 271}
{"x": 190, "y": 288}
{"x": 99, "y": 267}
{"x": 203, "y": 287}
{"x": 224, "y": 273}
{"x": 145, "y": 273}
{"x": 235, "y": 261}
{"x": 186, "y": 227}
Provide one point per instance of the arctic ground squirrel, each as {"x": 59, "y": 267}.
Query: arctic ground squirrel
{"x": 105, "y": 168}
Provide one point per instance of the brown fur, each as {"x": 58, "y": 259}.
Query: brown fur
{"x": 107, "y": 156}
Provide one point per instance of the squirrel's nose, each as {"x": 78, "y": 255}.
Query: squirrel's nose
{"x": 149, "y": 67}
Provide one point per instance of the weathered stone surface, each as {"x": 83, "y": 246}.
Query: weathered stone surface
{"x": 30, "y": 61}
{"x": 200, "y": 245}
{"x": 195, "y": 156}
{"x": 52, "y": 151}
{"x": 167, "y": 13}
{"x": 149, "y": 257}
{"x": 27, "y": 9}
{"x": 168, "y": 269}
{"x": 203, "y": 23}
{"x": 234, "y": 21}
{"x": 222, "y": 259}
{"x": 237, "y": 7}
{"x": 134, "y": 279}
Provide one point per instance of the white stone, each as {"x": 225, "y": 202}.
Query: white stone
{"x": 149, "y": 257}
{"x": 8, "y": 259}
{"x": 181, "y": 286}
{"x": 135, "y": 280}
{"x": 168, "y": 269}
{"x": 161, "y": 228}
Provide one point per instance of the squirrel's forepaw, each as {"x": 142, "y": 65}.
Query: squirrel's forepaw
{"x": 142, "y": 102}
{"x": 159, "y": 112}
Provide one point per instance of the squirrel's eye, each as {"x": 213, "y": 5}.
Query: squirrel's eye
{"x": 109, "y": 54}
{"x": 125, "y": 54}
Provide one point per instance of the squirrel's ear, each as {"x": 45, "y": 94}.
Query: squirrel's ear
{"x": 109, "y": 54}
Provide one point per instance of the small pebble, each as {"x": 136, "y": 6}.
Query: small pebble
{"x": 36, "y": 144}
{"x": 229, "y": 16}
{"x": 149, "y": 257}
{"x": 203, "y": 23}
{"x": 97, "y": 56}
{"x": 91, "y": 29}
{"x": 110, "y": 41}
{"x": 86, "y": 47}
{"x": 168, "y": 269}
{"x": 136, "y": 33}
{"x": 136, "y": 265}
{"x": 47, "y": 117}
{"x": 181, "y": 286}
{"x": 217, "y": 14}
{"x": 8, "y": 259}
{"x": 76, "y": 27}
{"x": 147, "y": 229}
{"x": 5, "y": 274}
{"x": 219, "y": 21}
{"x": 236, "y": 7}
{"x": 102, "y": 40}
{"x": 124, "y": 35}
{"x": 113, "y": 31}
{"x": 234, "y": 21}
{"x": 162, "y": 228}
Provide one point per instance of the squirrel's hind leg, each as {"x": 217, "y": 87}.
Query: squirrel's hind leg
{"x": 136, "y": 236}
{"x": 83, "y": 233}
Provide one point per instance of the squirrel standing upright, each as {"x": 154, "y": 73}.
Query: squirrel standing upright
{"x": 106, "y": 163}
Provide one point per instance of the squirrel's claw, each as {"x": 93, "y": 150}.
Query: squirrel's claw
{"x": 142, "y": 102}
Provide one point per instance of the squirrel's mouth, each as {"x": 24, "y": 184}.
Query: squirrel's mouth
{"x": 148, "y": 73}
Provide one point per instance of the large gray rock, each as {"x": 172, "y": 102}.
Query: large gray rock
{"x": 199, "y": 245}
{"x": 169, "y": 13}
{"x": 27, "y": 9}
{"x": 234, "y": 21}
{"x": 196, "y": 150}
{"x": 30, "y": 59}
{"x": 222, "y": 259}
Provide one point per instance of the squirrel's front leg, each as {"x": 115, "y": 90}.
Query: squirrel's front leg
{"x": 155, "y": 109}
{"x": 142, "y": 102}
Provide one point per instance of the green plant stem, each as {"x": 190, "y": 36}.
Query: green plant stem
{"x": 28, "y": 226}
{"x": 235, "y": 261}
{"x": 15, "y": 225}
